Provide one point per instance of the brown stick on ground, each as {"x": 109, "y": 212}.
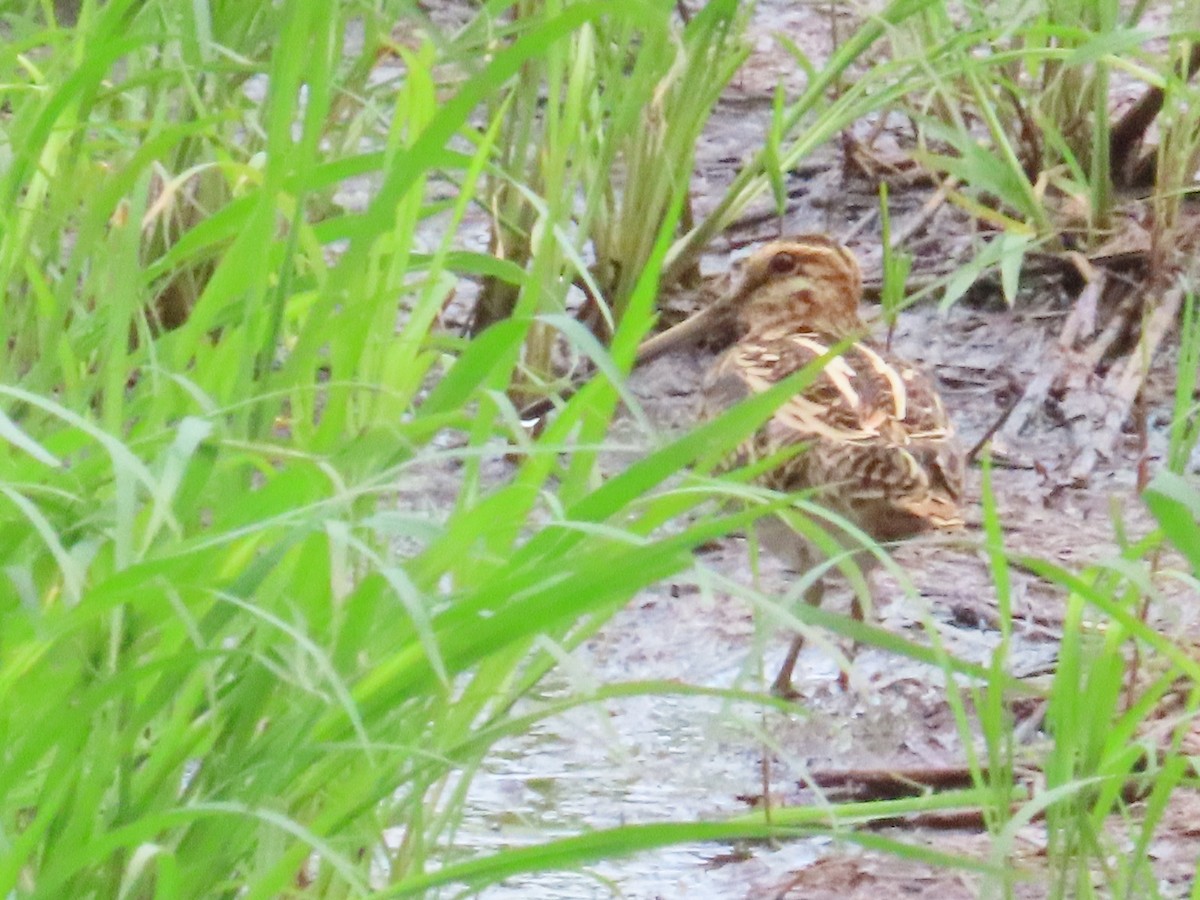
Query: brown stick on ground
{"x": 1123, "y": 384}
{"x": 1127, "y": 134}
{"x": 1074, "y": 327}
{"x": 891, "y": 784}
{"x": 1036, "y": 264}
{"x": 900, "y": 783}
{"x": 925, "y": 215}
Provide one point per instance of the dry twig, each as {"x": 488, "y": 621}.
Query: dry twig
{"x": 1124, "y": 383}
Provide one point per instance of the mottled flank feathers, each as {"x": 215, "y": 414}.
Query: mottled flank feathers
{"x": 879, "y": 447}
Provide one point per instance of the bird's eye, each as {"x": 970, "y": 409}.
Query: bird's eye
{"x": 783, "y": 262}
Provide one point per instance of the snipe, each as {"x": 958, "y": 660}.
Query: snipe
{"x": 879, "y": 450}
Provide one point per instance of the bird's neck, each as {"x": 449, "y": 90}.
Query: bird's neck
{"x": 780, "y": 320}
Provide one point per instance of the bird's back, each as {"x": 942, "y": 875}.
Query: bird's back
{"x": 879, "y": 448}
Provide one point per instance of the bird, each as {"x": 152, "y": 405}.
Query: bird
{"x": 876, "y": 446}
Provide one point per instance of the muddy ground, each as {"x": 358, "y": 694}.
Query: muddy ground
{"x": 679, "y": 758}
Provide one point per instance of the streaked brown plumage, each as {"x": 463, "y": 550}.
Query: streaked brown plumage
{"x": 879, "y": 448}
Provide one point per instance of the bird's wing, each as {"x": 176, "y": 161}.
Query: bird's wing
{"x": 878, "y": 437}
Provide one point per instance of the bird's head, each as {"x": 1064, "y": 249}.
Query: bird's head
{"x": 805, "y": 283}
{"x": 810, "y": 282}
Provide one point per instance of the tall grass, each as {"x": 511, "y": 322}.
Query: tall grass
{"x": 241, "y": 650}
{"x": 1019, "y": 106}
{"x": 235, "y": 656}
{"x": 636, "y": 93}
{"x": 230, "y": 660}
